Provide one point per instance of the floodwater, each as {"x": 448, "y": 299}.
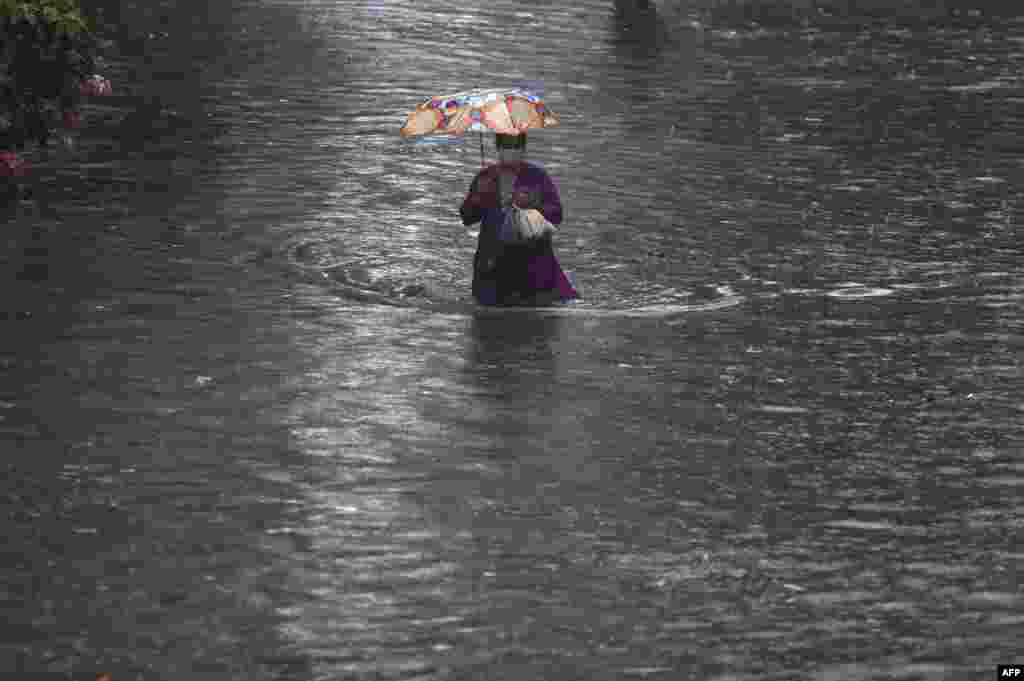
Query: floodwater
{"x": 235, "y": 446}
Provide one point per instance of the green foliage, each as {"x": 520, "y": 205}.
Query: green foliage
{"x": 46, "y": 49}
{"x": 62, "y": 16}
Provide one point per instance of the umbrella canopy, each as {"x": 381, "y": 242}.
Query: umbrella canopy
{"x": 505, "y": 111}
{"x": 509, "y": 112}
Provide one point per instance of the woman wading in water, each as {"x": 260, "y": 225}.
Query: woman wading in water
{"x": 514, "y": 271}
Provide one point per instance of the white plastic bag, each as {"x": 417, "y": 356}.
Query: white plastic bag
{"x": 524, "y": 225}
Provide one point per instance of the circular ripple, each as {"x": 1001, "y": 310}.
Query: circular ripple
{"x": 315, "y": 254}
{"x": 725, "y": 298}
{"x": 859, "y": 291}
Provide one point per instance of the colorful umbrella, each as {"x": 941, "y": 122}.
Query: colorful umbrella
{"x": 509, "y": 112}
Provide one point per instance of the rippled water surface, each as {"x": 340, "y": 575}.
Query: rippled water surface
{"x": 253, "y": 428}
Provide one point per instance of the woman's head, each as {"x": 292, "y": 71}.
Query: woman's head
{"x": 504, "y": 141}
{"x": 510, "y": 147}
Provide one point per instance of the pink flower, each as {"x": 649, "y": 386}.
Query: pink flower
{"x": 95, "y": 85}
{"x": 12, "y": 165}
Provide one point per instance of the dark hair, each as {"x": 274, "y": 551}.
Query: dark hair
{"x": 510, "y": 141}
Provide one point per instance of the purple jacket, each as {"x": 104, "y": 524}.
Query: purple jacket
{"x": 481, "y": 203}
{"x": 506, "y": 272}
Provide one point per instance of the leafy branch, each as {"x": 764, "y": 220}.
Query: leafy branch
{"x": 47, "y": 50}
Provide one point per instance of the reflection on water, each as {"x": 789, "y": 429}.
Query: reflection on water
{"x": 511, "y": 340}
{"x": 254, "y": 430}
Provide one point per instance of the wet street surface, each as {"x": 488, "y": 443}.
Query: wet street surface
{"x": 252, "y": 427}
